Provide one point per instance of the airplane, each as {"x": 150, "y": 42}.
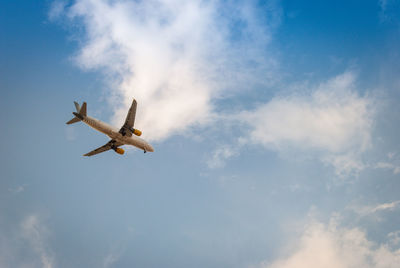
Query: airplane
{"x": 118, "y": 137}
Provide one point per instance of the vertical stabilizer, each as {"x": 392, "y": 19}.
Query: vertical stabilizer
{"x": 77, "y": 107}
{"x": 83, "y": 109}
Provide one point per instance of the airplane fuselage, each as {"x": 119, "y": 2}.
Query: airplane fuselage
{"x": 114, "y": 134}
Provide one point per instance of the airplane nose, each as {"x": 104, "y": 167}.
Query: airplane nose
{"x": 149, "y": 148}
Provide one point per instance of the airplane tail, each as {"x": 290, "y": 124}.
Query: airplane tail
{"x": 80, "y": 113}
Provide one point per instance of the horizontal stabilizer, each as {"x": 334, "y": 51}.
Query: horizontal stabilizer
{"x": 73, "y": 120}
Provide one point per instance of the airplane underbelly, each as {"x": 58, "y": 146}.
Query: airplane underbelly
{"x": 115, "y": 135}
{"x": 104, "y": 130}
{"x": 131, "y": 141}
{"x": 139, "y": 143}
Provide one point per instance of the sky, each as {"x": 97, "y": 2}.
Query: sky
{"x": 275, "y": 126}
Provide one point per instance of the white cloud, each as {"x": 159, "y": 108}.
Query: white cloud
{"x": 333, "y": 120}
{"x": 330, "y": 246}
{"x": 174, "y": 56}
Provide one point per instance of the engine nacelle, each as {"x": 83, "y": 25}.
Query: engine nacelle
{"x": 119, "y": 150}
{"x": 137, "y": 132}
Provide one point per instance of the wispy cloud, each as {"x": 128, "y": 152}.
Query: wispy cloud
{"x": 345, "y": 164}
{"x": 390, "y": 162}
{"x": 220, "y": 155}
{"x": 387, "y": 165}
{"x": 36, "y": 234}
{"x": 56, "y": 9}
{"x": 176, "y": 57}
{"x": 369, "y": 210}
{"x": 388, "y": 10}
{"x": 26, "y": 244}
{"x": 110, "y": 259}
{"x": 383, "y": 4}
{"x": 18, "y": 189}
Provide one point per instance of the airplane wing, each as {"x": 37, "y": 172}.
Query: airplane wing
{"x": 129, "y": 121}
{"x": 109, "y": 145}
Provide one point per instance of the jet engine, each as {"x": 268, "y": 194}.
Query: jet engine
{"x": 119, "y": 150}
{"x": 137, "y": 132}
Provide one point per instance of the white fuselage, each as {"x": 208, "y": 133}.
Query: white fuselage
{"x": 113, "y": 133}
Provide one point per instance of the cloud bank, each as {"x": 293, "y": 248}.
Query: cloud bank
{"x": 175, "y": 57}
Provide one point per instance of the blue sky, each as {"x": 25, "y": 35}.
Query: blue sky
{"x": 275, "y": 126}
